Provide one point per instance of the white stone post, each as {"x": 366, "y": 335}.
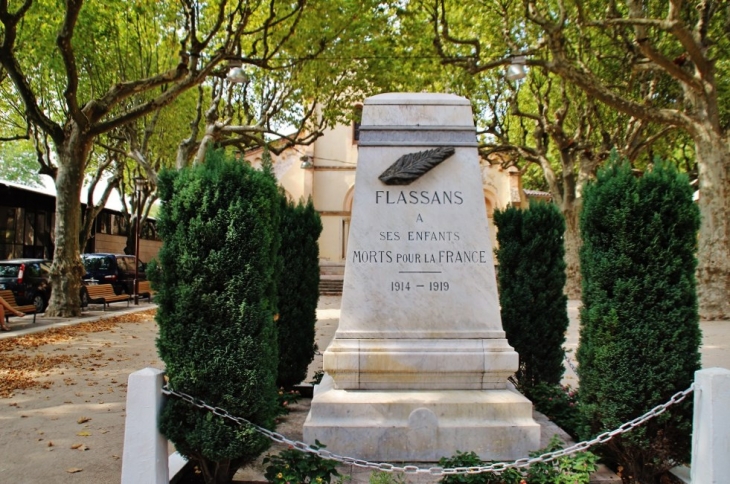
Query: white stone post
{"x": 144, "y": 460}
{"x": 711, "y": 427}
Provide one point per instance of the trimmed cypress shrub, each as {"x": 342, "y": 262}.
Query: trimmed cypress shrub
{"x": 531, "y": 281}
{"x": 298, "y": 290}
{"x": 640, "y": 336}
{"x": 219, "y": 223}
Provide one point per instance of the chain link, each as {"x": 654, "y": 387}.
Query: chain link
{"x": 570, "y": 362}
{"x": 496, "y": 467}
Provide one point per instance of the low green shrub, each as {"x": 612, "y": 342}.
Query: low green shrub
{"x": 286, "y": 398}
{"x": 571, "y": 469}
{"x": 471, "y": 459}
{"x": 317, "y": 378}
{"x": 294, "y": 466}
{"x": 382, "y": 477}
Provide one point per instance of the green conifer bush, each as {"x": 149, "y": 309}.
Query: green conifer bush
{"x": 640, "y": 337}
{"x": 214, "y": 277}
{"x": 298, "y": 290}
{"x": 531, "y": 282}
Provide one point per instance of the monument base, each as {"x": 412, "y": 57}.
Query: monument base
{"x": 420, "y": 425}
{"x": 420, "y": 364}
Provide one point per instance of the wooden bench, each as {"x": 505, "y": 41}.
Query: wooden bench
{"x": 104, "y": 294}
{"x": 145, "y": 290}
{"x": 10, "y": 299}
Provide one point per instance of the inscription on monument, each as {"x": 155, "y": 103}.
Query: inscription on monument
{"x": 422, "y": 251}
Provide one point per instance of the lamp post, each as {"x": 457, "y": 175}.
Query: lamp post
{"x": 139, "y": 183}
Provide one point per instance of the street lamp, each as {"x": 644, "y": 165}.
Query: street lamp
{"x": 236, "y": 74}
{"x": 516, "y": 69}
{"x": 139, "y": 184}
{"x": 306, "y": 162}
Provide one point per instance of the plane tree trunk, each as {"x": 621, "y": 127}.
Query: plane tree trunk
{"x": 713, "y": 271}
{"x": 67, "y": 270}
{"x": 572, "y": 243}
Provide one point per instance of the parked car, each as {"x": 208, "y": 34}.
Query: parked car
{"x": 29, "y": 279}
{"x": 114, "y": 269}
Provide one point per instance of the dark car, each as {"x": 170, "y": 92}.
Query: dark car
{"x": 114, "y": 269}
{"x": 29, "y": 279}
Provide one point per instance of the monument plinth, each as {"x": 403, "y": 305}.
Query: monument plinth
{"x": 419, "y": 364}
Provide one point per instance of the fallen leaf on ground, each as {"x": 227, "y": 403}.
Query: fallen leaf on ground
{"x": 83, "y": 420}
{"x": 76, "y": 446}
{"x": 73, "y": 470}
{"x": 83, "y": 433}
{"x": 19, "y": 371}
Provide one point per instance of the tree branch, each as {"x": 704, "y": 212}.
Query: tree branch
{"x": 65, "y": 49}
{"x": 588, "y": 82}
{"x": 11, "y": 65}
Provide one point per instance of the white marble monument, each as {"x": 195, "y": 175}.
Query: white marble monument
{"x": 418, "y": 367}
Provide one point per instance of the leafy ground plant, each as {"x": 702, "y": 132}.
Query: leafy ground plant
{"x": 471, "y": 459}
{"x": 381, "y": 477}
{"x": 292, "y": 466}
{"x": 572, "y": 469}
{"x": 286, "y": 398}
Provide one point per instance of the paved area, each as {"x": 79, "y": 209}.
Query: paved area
{"x": 46, "y": 436}
{"x": 94, "y": 312}
{"x": 63, "y": 394}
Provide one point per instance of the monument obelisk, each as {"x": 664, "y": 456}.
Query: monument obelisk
{"x": 419, "y": 364}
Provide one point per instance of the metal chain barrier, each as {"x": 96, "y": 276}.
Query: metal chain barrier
{"x": 496, "y": 467}
{"x": 570, "y": 362}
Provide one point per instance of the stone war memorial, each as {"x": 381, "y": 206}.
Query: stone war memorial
{"x": 419, "y": 364}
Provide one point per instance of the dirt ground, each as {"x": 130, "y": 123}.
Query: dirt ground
{"x": 62, "y": 399}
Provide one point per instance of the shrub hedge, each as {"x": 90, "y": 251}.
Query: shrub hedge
{"x": 640, "y": 336}
{"x": 531, "y": 281}
{"x": 219, "y": 223}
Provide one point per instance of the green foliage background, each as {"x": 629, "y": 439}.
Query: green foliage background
{"x": 640, "y": 335}
{"x": 215, "y": 282}
{"x": 531, "y": 281}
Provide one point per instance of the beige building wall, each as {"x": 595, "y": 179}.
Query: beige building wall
{"x": 287, "y": 169}
{"x": 326, "y": 171}
{"x": 502, "y": 188}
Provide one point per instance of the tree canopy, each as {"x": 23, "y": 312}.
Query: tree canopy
{"x": 90, "y": 79}
{"x": 662, "y": 63}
